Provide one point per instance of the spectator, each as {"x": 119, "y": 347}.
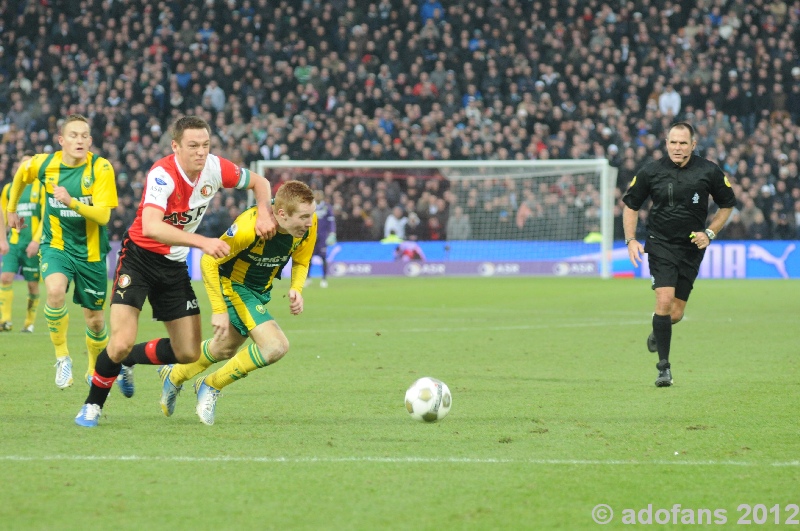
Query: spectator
{"x": 784, "y": 228}
{"x": 735, "y": 229}
{"x": 415, "y": 230}
{"x": 433, "y": 10}
{"x": 669, "y": 102}
{"x": 395, "y": 223}
{"x": 558, "y": 89}
{"x": 759, "y": 229}
{"x": 458, "y": 225}
{"x": 214, "y": 95}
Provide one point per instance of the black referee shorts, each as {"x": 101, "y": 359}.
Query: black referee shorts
{"x": 143, "y": 274}
{"x": 673, "y": 266}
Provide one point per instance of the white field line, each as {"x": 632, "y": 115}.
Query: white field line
{"x": 389, "y": 460}
{"x": 403, "y": 330}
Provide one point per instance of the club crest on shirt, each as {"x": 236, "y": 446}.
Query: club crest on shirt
{"x": 124, "y": 281}
{"x": 632, "y": 182}
{"x": 206, "y": 190}
{"x": 260, "y": 309}
{"x": 727, "y": 182}
{"x": 88, "y": 180}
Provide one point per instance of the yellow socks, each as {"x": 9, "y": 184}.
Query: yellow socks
{"x": 30, "y": 315}
{"x": 245, "y": 361}
{"x": 6, "y": 300}
{"x": 58, "y": 323}
{"x": 185, "y": 371}
{"x": 95, "y": 343}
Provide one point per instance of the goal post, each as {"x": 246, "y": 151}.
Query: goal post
{"x": 523, "y": 217}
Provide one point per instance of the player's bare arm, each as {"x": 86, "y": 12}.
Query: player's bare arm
{"x": 154, "y": 227}
{"x": 702, "y": 239}
{"x": 630, "y": 219}
{"x": 266, "y": 224}
{"x": 719, "y": 219}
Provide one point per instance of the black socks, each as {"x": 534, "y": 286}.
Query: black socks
{"x": 155, "y": 352}
{"x": 662, "y": 329}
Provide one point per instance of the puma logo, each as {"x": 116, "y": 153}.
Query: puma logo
{"x": 757, "y": 252}
{"x": 121, "y": 294}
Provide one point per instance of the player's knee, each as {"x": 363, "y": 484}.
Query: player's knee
{"x": 55, "y": 299}
{"x": 120, "y": 343}
{"x": 118, "y": 349}
{"x": 187, "y": 355}
{"x": 274, "y": 349}
{"x": 96, "y": 322}
{"x": 677, "y": 316}
{"x": 224, "y": 352}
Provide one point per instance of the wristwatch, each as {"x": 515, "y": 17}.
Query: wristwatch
{"x": 711, "y": 234}
{"x": 629, "y": 240}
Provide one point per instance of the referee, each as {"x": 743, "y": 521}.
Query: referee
{"x": 679, "y": 186}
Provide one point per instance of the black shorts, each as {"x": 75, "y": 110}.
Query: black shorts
{"x": 673, "y": 266}
{"x": 143, "y": 274}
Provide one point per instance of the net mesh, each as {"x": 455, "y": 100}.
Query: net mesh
{"x": 475, "y": 210}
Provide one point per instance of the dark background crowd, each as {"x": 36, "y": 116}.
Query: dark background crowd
{"x": 407, "y": 80}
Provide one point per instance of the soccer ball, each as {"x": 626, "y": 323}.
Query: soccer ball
{"x": 428, "y": 399}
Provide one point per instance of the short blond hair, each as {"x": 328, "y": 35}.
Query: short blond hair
{"x": 74, "y": 118}
{"x": 291, "y": 194}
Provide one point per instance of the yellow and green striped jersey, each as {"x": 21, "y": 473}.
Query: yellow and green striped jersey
{"x": 29, "y": 207}
{"x": 93, "y": 183}
{"x": 256, "y": 262}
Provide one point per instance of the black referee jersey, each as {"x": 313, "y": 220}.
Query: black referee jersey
{"x": 680, "y": 197}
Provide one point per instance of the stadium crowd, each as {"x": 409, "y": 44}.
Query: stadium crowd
{"x": 419, "y": 80}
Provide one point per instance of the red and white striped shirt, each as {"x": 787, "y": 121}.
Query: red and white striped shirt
{"x": 184, "y": 203}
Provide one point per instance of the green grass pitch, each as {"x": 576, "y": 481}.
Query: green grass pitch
{"x": 554, "y": 412}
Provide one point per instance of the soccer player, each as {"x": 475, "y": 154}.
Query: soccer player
{"x": 21, "y": 251}
{"x": 239, "y": 286}
{"x": 152, "y": 260}
{"x": 679, "y": 186}
{"x": 326, "y": 234}
{"x": 80, "y": 191}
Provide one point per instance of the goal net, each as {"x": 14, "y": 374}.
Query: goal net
{"x": 417, "y": 218}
